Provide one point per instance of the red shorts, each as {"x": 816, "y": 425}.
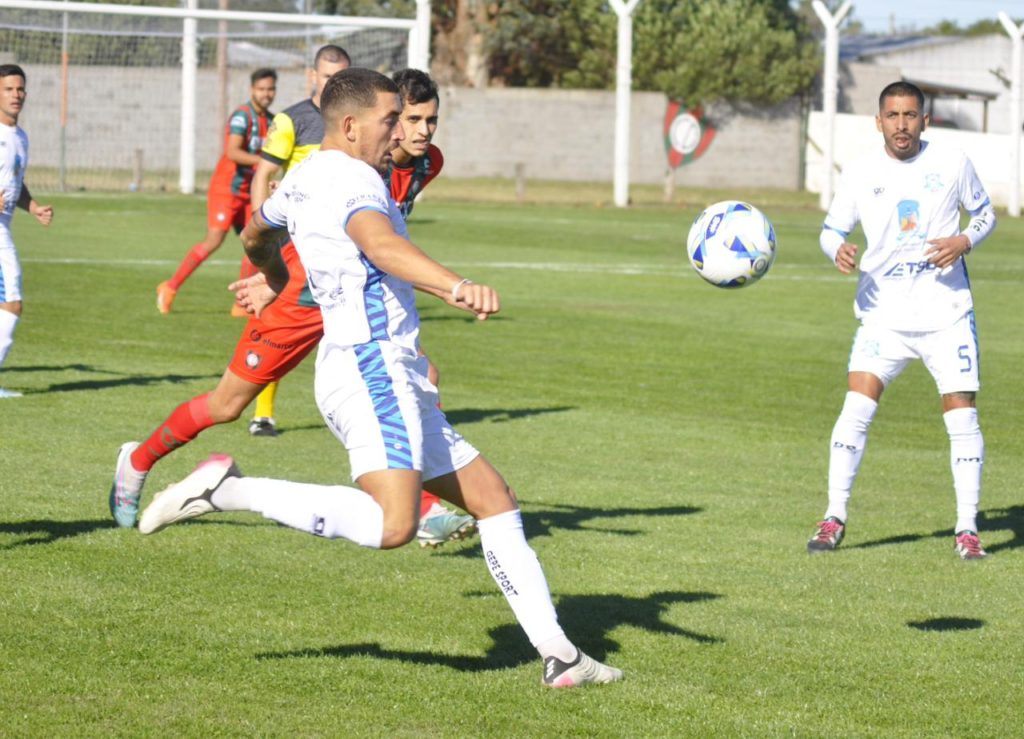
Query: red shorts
{"x": 224, "y": 210}
{"x": 272, "y": 346}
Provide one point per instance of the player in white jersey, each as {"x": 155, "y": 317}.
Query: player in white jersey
{"x": 913, "y": 299}
{"x": 13, "y": 193}
{"x": 371, "y": 384}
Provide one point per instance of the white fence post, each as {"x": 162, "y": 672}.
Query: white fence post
{"x": 623, "y": 91}
{"x": 830, "y": 91}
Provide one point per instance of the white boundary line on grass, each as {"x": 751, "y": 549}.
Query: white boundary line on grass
{"x": 627, "y": 269}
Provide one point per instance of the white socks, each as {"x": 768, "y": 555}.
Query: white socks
{"x": 329, "y": 511}
{"x": 8, "y": 321}
{"x": 516, "y": 570}
{"x": 966, "y": 456}
{"x": 849, "y": 436}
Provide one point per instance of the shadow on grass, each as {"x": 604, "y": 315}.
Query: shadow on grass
{"x": 1009, "y": 519}
{"x": 47, "y": 532}
{"x": 462, "y": 416}
{"x": 587, "y": 620}
{"x": 115, "y": 379}
{"x": 947, "y": 623}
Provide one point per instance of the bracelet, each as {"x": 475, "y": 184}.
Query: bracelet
{"x": 455, "y": 289}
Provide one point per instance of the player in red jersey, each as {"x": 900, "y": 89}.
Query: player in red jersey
{"x": 288, "y": 330}
{"x": 227, "y": 200}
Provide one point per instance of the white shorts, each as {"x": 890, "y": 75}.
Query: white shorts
{"x": 377, "y": 400}
{"x": 10, "y": 269}
{"x": 950, "y": 355}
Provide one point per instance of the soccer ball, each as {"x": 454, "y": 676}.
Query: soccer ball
{"x": 731, "y": 244}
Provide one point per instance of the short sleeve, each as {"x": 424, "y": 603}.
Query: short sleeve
{"x": 239, "y": 124}
{"x": 280, "y": 139}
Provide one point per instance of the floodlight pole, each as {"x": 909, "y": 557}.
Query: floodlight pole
{"x": 623, "y": 89}
{"x": 830, "y": 90}
{"x": 1015, "y": 33}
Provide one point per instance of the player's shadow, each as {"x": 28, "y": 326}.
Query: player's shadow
{"x": 464, "y": 416}
{"x": 54, "y": 368}
{"x": 1009, "y": 519}
{"x": 47, "y": 532}
{"x": 542, "y": 521}
{"x": 126, "y": 380}
{"x": 947, "y": 623}
{"x": 588, "y": 619}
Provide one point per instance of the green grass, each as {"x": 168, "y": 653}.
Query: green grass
{"x": 668, "y": 442}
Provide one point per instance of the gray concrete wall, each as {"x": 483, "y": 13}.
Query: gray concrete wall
{"x": 554, "y": 134}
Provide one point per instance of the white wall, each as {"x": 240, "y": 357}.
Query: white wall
{"x": 855, "y": 134}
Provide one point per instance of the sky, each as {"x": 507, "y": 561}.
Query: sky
{"x": 878, "y": 15}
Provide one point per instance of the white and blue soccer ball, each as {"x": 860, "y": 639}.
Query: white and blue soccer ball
{"x": 731, "y": 244}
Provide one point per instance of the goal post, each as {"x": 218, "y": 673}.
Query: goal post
{"x": 126, "y": 96}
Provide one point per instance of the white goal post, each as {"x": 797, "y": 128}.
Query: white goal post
{"x": 104, "y": 80}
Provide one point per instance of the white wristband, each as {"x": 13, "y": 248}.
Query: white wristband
{"x": 455, "y": 289}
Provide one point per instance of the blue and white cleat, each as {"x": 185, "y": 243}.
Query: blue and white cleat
{"x": 440, "y": 525}
{"x": 126, "y": 488}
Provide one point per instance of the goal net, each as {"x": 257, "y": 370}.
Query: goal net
{"x": 136, "y": 98}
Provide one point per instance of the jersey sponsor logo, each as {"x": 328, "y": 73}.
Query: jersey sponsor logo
{"x": 909, "y": 269}
{"x": 878, "y": 191}
{"x": 367, "y": 198}
{"x": 909, "y": 212}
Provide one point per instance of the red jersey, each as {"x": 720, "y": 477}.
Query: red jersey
{"x": 405, "y": 183}
{"x": 231, "y": 177}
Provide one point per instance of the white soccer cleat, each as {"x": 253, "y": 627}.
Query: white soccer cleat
{"x": 189, "y": 498}
{"x": 583, "y": 671}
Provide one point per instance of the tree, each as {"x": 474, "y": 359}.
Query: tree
{"x": 703, "y": 51}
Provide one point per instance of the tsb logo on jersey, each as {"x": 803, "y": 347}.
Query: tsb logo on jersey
{"x": 909, "y": 269}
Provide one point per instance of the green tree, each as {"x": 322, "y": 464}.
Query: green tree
{"x": 737, "y": 50}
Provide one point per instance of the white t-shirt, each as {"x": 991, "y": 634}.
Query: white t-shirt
{"x": 360, "y": 303}
{"x": 13, "y": 162}
{"x": 901, "y": 205}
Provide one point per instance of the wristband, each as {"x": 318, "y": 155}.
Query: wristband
{"x": 455, "y": 289}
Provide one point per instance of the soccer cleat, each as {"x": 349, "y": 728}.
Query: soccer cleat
{"x": 126, "y": 489}
{"x": 165, "y": 297}
{"x": 582, "y": 671}
{"x": 4, "y": 393}
{"x": 968, "y": 546}
{"x": 262, "y": 426}
{"x": 830, "y": 532}
{"x": 440, "y": 525}
{"x": 189, "y": 498}
{"x": 238, "y": 311}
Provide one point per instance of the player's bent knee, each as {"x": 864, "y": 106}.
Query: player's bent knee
{"x": 397, "y": 535}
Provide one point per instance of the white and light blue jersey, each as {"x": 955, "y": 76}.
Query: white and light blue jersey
{"x": 13, "y": 162}
{"x": 359, "y": 302}
{"x": 901, "y": 205}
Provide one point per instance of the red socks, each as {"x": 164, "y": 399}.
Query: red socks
{"x": 183, "y": 425}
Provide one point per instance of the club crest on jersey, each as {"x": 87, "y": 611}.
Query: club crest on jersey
{"x": 932, "y": 182}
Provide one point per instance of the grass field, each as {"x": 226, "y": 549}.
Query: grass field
{"x": 668, "y": 442}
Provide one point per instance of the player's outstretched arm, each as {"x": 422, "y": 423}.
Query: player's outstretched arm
{"x": 42, "y": 213}
{"x": 372, "y": 232}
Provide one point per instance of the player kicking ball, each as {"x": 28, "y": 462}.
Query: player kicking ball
{"x": 371, "y": 384}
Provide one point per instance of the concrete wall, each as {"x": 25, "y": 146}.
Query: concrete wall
{"x": 554, "y": 134}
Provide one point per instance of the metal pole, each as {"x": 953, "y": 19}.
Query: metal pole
{"x": 623, "y": 93}
{"x": 189, "y": 62}
{"x": 62, "y": 175}
{"x": 1014, "y": 32}
{"x": 222, "y": 69}
{"x": 830, "y": 92}
{"x": 419, "y": 38}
